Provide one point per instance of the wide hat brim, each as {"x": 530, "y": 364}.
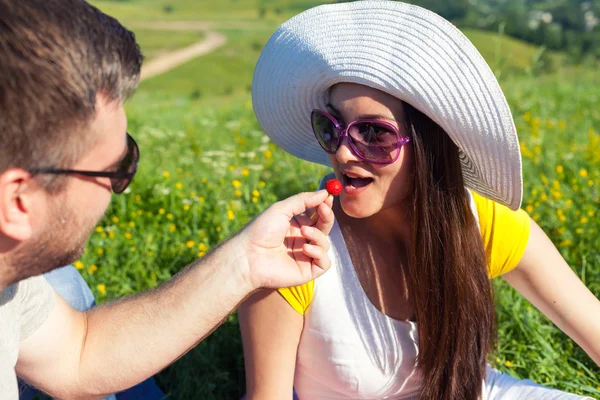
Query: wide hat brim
{"x": 406, "y": 51}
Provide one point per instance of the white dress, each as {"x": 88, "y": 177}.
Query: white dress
{"x": 349, "y": 349}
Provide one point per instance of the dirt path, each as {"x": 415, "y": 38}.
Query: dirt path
{"x": 169, "y": 60}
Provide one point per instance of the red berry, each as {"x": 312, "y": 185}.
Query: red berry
{"x": 334, "y": 187}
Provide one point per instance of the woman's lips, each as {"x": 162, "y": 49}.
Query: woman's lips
{"x": 355, "y": 184}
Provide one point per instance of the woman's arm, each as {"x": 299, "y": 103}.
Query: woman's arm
{"x": 271, "y": 331}
{"x": 545, "y": 279}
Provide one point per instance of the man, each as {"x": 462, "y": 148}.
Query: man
{"x": 65, "y": 69}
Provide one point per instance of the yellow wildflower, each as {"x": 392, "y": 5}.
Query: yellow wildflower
{"x": 92, "y": 268}
{"x": 255, "y": 199}
{"x": 172, "y": 228}
{"x": 115, "y": 219}
{"x": 230, "y": 215}
{"x": 583, "y": 173}
{"x": 131, "y": 224}
{"x": 161, "y": 211}
{"x": 169, "y": 216}
{"x": 245, "y": 172}
{"x": 508, "y": 363}
{"x": 255, "y": 193}
{"x": 204, "y": 180}
{"x": 267, "y": 153}
{"x": 128, "y": 235}
{"x": 231, "y": 168}
{"x": 101, "y": 288}
{"x": 78, "y": 264}
{"x": 202, "y": 247}
{"x": 584, "y": 220}
{"x": 559, "y": 169}
{"x": 179, "y": 185}
{"x": 201, "y": 254}
{"x": 190, "y": 243}
{"x": 237, "y": 193}
{"x": 99, "y": 229}
{"x": 138, "y": 197}
{"x": 186, "y": 207}
{"x": 166, "y": 174}
{"x": 100, "y": 251}
{"x": 236, "y": 184}
{"x": 529, "y": 208}
{"x": 262, "y": 184}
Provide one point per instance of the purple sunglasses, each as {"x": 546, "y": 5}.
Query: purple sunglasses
{"x": 371, "y": 140}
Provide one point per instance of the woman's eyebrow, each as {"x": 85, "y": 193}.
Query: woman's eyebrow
{"x": 331, "y": 107}
{"x": 363, "y": 116}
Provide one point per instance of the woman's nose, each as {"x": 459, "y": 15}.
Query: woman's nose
{"x": 344, "y": 153}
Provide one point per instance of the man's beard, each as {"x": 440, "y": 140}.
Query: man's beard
{"x": 60, "y": 243}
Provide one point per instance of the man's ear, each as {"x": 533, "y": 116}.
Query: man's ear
{"x": 17, "y": 191}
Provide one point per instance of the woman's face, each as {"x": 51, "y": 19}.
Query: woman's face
{"x": 369, "y": 188}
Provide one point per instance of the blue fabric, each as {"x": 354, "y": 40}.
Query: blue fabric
{"x": 69, "y": 284}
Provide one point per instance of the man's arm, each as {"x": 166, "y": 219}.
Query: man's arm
{"x": 113, "y": 347}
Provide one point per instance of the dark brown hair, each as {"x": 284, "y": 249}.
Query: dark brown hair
{"x": 56, "y": 56}
{"x": 453, "y": 296}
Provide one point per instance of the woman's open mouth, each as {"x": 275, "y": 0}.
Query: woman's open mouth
{"x": 354, "y": 184}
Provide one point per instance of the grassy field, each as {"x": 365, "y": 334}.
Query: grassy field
{"x": 216, "y": 170}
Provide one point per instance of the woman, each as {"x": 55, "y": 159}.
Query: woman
{"x": 408, "y": 114}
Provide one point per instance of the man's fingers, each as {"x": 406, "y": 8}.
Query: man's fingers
{"x": 300, "y": 202}
{"x": 315, "y": 236}
{"x": 326, "y": 217}
{"x": 319, "y": 257}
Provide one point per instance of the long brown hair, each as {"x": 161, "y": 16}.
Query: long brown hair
{"x": 453, "y": 296}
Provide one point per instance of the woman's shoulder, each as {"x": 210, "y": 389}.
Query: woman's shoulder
{"x": 505, "y": 233}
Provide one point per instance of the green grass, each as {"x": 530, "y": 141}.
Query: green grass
{"x": 223, "y": 10}
{"x": 154, "y": 42}
{"x": 206, "y": 170}
{"x": 507, "y": 55}
{"x": 224, "y": 72}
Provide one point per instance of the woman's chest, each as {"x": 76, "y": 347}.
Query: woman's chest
{"x": 349, "y": 347}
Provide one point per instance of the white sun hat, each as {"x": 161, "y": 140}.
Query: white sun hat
{"x": 406, "y": 51}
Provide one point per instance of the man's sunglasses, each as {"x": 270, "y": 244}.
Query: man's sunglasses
{"x": 371, "y": 140}
{"x": 119, "y": 179}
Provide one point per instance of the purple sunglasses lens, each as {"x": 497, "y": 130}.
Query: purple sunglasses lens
{"x": 325, "y": 131}
{"x": 374, "y": 141}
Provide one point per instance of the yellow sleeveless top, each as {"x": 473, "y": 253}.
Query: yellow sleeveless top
{"x": 505, "y": 235}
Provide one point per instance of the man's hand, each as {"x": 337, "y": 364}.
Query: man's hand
{"x": 284, "y": 246}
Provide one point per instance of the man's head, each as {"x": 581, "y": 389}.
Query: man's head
{"x": 65, "y": 70}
